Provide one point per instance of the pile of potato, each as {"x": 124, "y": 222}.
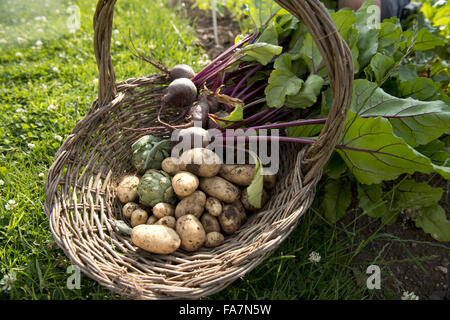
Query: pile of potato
{"x": 211, "y": 203}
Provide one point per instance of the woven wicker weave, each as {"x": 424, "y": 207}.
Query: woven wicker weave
{"x": 80, "y": 187}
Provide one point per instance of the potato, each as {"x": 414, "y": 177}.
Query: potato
{"x": 210, "y": 223}
{"x": 128, "y": 208}
{"x": 247, "y": 205}
{"x": 191, "y": 232}
{"x": 213, "y": 206}
{"x": 155, "y": 238}
{"x": 167, "y": 221}
{"x": 220, "y": 189}
{"x": 240, "y": 174}
{"x": 193, "y": 204}
{"x": 171, "y": 165}
{"x": 214, "y": 239}
{"x": 138, "y": 217}
{"x": 230, "y": 219}
{"x": 201, "y": 162}
{"x": 151, "y": 220}
{"x": 127, "y": 188}
{"x": 184, "y": 183}
{"x": 163, "y": 209}
{"x": 269, "y": 181}
{"x": 243, "y": 214}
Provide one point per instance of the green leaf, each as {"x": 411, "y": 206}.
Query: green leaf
{"x": 261, "y": 10}
{"x": 345, "y": 21}
{"x": 374, "y": 153}
{"x": 368, "y": 33}
{"x": 423, "y": 89}
{"x": 371, "y": 200}
{"x": 335, "y": 167}
{"x": 337, "y": 199}
{"x": 308, "y": 93}
{"x": 254, "y": 190}
{"x": 262, "y": 52}
{"x": 379, "y": 66}
{"x": 312, "y": 57}
{"x": 416, "y": 195}
{"x": 437, "y": 151}
{"x": 425, "y": 40}
{"x": 236, "y": 115}
{"x": 282, "y": 82}
{"x": 310, "y": 130}
{"x": 269, "y": 35}
{"x": 433, "y": 221}
{"x": 417, "y": 122}
{"x": 389, "y": 36}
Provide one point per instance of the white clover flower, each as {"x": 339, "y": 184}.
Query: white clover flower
{"x": 55, "y": 69}
{"x": 3, "y": 41}
{"x": 31, "y": 145}
{"x": 41, "y": 175}
{"x": 2, "y": 182}
{"x": 314, "y": 257}
{"x": 57, "y": 137}
{"x": 10, "y": 205}
{"x": 7, "y": 281}
{"x": 20, "y": 39}
{"x": 409, "y": 296}
{"x": 95, "y": 81}
{"x": 116, "y": 31}
{"x": 40, "y": 30}
{"x": 20, "y": 110}
{"x": 51, "y": 107}
{"x": 19, "y": 54}
{"x": 117, "y": 42}
{"x": 39, "y": 43}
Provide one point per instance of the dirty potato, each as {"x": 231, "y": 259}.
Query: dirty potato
{"x": 163, "y": 209}
{"x": 155, "y": 238}
{"x": 191, "y": 232}
{"x": 201, "y": 162}
{"x": 220, "y": 189}
{"x": 167, "y": 221}
{"x": 128, "y": 209}
{"x": 193, "y": 204}
{"x": 171, "y": 165}
{"x": 213, "y": 206}
{"x": 127, "y": 188}
{"x": 240, "y": 174}
{"x": 214, "y": 239}
{"x": 210, "y": 223}
{"x": 184, "y": 183}
{"x": 151, "y": 220}
{"x": 230, "y": 219}
{"x": 138, "y": 216}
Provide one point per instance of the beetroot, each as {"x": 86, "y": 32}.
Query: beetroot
{"x": 181, "y": 93}
{"x": 181, "y": 71}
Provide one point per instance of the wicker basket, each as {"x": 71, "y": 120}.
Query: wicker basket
{"x": 80, "y": 198}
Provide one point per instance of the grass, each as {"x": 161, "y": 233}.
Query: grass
{"x": 47, "y": 82}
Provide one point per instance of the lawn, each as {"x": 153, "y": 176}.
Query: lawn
{"x": 48, "y": 79}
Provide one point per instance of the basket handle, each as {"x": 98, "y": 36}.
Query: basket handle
{"x": 334, "y": 51}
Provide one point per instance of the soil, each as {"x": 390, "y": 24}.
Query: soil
{"x": 409, "y": 259}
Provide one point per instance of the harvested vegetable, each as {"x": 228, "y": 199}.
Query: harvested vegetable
{"x": 184, "y": 183}
{"x": 220, "y": 189}
{"x": 181, "y": 93}
{"x": 210, "y": 223}
{"x": 181, "y": 71}
{"x": 163, "y": 209}
{"x": 214, "y": 239}
{"x": 213, "y": 206}
{"x": 167, "y": 221}
{"x": 155, "y": 238}
{"x": 171, "y": 165}
{"x": 138, "y": 216}
{"x": 191, "y": 232}
{"x": 192, "y": 204}
{"x": 127, "y": 188}
{"x": 149, "y": 152}
{"x": 240, "y": 174}
{"x": 201, "y": 162}
{"x": 155, "y": 187}
{"x": 230, "y": 219}
{"x": 128, "y": 208}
